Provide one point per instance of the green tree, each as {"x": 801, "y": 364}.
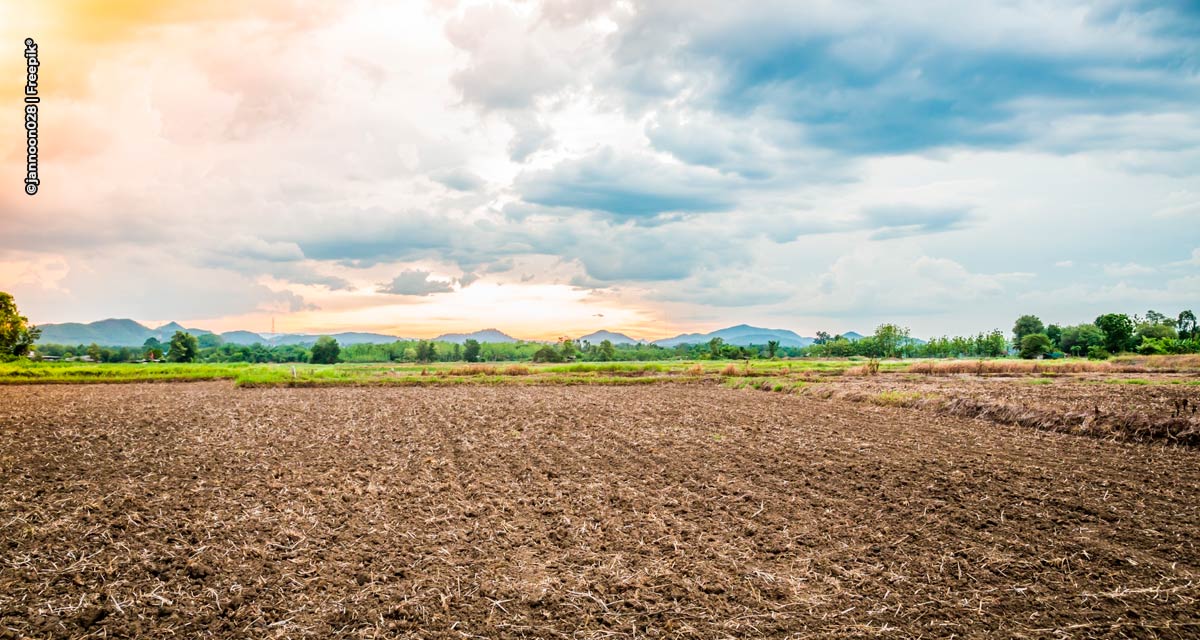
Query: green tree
{"x": 426, "y": 351}
{"x": 1035, "y": 344}
{"x": 183, "y": 347}
{"x": 210, "y": 341}
{"x": 1118, "y": 331}
{"x": 1079, "y": 340}
{"x": 471, "y": 350}
{"x": 1026, "y": 325}
{"x": 547, "y": 354}
{"x": 714, "y": 347}
{"x": 1186, "y": 325}
{"x": 1155, "y": 331}
{"x": 772, "y": 348}
{"x": 95, "y": 352}
{"x": 607, "y": 352}
{"x": 1154, "y": 317}
{"x": 1054, "y": 332}
{"x": 889, "y": 338}
{"x": 16, "y": 334}
{"x": 326, "y": 350}
{"x": 568, "y": 349}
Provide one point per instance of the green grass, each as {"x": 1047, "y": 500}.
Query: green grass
{"x": 303, "y": 375}
{"x": 778, "y": 375}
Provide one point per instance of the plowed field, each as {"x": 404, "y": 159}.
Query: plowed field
{"x": 204, "y": 510}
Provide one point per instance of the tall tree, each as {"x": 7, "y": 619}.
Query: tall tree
{"x": 1118, "y": 331}
{"x": 889, "y": 337}
{"x": 772, "y": 347}
{"x": 1026, "y": 325}
{"x": 1186, "y": 325}
{"x": 16, "y": 334}
{"x": 471, "y": 350}
{"x": 1054, "y": 332}
{"x": 607, "y": 351}
{"x": 326, "y": 351}
{"x": 184, "y": 347}
{"x": 714, "y": 347}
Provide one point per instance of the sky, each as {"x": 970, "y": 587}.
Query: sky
{"x": 557, "y": 167}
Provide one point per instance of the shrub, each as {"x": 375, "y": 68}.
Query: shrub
{"x": 547, "y": 354}
{"x": 1098, "y": 353}
{"x": 1034, "y": 345}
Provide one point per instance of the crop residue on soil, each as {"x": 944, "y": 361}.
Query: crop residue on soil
{"x": 661, "y": 511}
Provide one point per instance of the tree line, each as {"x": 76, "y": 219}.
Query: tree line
{"x": 1110, "y": 334}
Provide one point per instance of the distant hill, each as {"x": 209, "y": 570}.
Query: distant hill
{"x": 345, "y": 338}
{"x": 129, "y": 333}
{"x": 741, "y": 335}
{"x": 243, "y": 338}
{"x": 602, "y": 335}
{"x": 165, "y": 332}
{"x": 112, "y": 333}
{"x": 116, "y": 332}
{"x": 486, "y": 335}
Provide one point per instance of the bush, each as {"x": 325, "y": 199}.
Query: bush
{"x": 1098, "y": 353}
{"x": 1153, "y": 347}
{"x": 547, "y": 354}
{"x": 1034, "y": 345}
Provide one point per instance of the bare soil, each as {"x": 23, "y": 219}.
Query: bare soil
{"x": 203, "y": 510}
{"x": 1162, "y": 408}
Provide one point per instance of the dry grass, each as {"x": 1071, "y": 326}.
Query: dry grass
{"x": 1017, "y": 367}
{"x": 1177, "y": 363}
{"x": 729, "y": 370}
{"x": 871, "y": 368}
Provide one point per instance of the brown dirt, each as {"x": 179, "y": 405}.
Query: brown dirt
{"x": 1165, "y": 410}
{"x": 201, "y": 510}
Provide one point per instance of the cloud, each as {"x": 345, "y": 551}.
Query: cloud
{"x": 1127, "y": 270}
{"x": 899, "y": 221}
{"x": 243, "y": 246}
{"x": 530, "y": 135}
{"x": 1064, "y": 264}
{"x": 885, "y": 79}
{"x": 508, "y": 68}
{"x": 459, "y": 180}
{"x": 415, "y": 282}
{"x": 626, "y": 186}
{"x": 901, "y": 282}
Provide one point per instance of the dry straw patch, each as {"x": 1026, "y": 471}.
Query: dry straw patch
{"x": 1016, "y": 367}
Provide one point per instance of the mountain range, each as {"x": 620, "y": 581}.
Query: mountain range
{"x": 486, "y": 335}
{"x": 129, "y": 333}
{"x": 742, "y": 334}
